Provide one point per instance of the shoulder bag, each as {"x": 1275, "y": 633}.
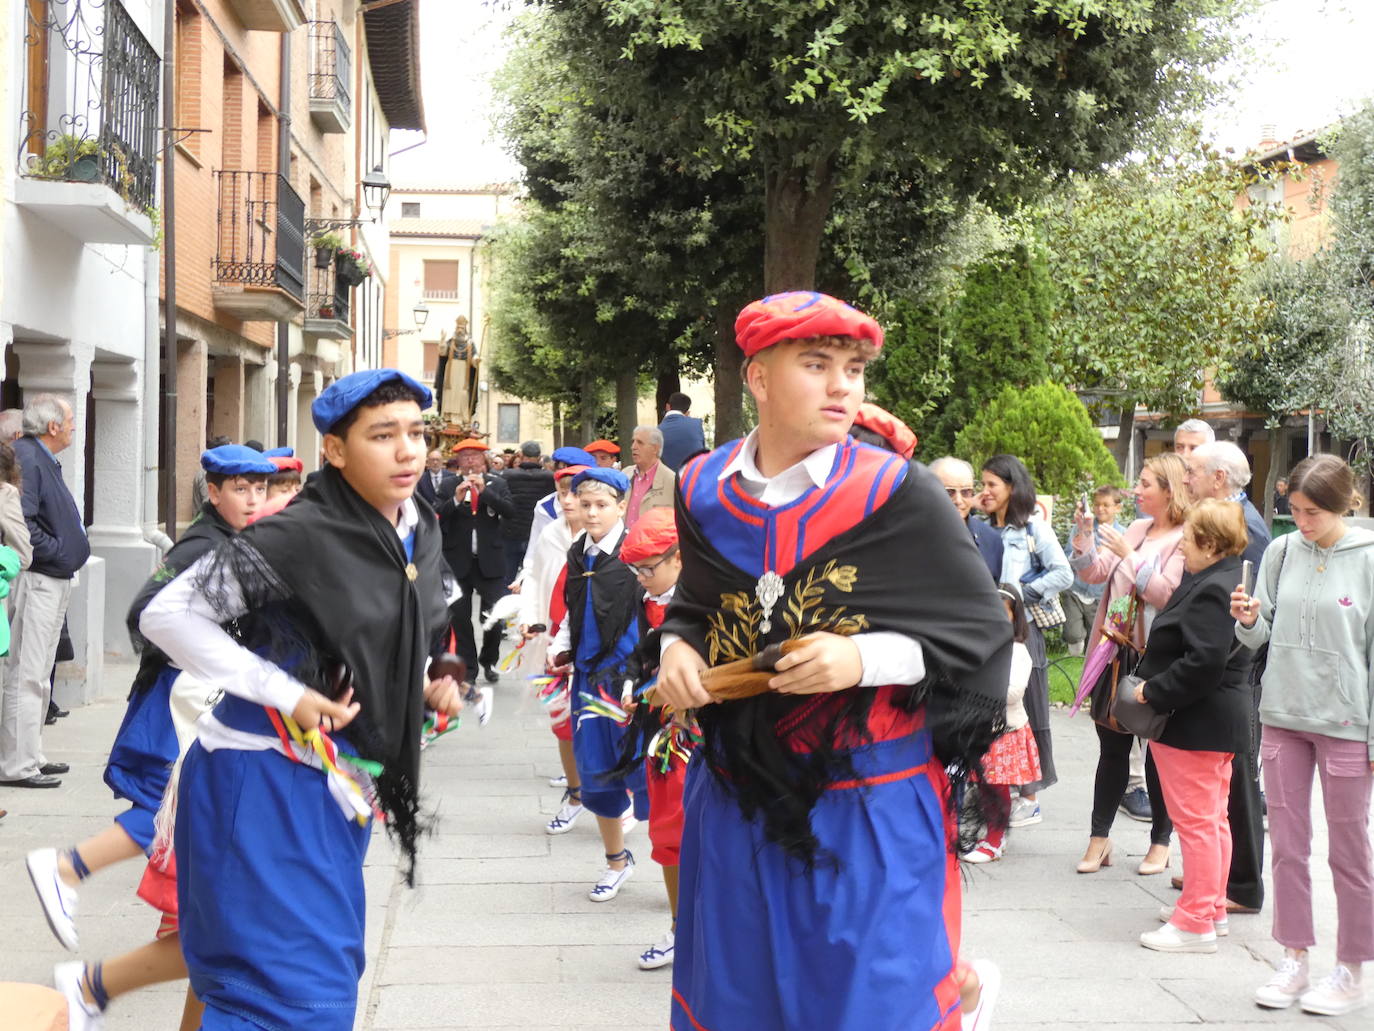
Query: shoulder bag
{"x": 1047, "y": 613}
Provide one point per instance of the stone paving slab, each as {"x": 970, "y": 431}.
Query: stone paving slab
{"x": 499, "y": 932}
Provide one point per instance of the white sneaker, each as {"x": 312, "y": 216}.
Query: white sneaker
{"x": 485, "y": 705}
{"x": 567, "y": 816}
{"x": 1338, "y": 993}
{"x": 659, "y": 955}
{"x": 1222, "y": 926}
{"x": 55, "y": 895}
{"x": 983, "y": 852}
{"x": 608, "y": 885}
{"x": 1024, "y": 813}
{"x": 628, "y": 822}
{"x": 1173, "y": 939}
{"x": 81, "y": 1016}
{"x": 990, "y": 981}
{"x": 1287, "y": 984}
{"x": 561, "y": 781}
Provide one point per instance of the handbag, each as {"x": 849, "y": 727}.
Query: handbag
{"x": 1047, "y": 613}
{"x": 1125, "y": 658}
{"x": 1133, "y": 717}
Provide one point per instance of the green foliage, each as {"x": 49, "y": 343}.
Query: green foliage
{"x": 62, "y": 153}
{"x": 912, "y": 374}
{"x": 1046, "y": 427}
{"x": 329, "y": 241}
{"x": 1153, "y": 263}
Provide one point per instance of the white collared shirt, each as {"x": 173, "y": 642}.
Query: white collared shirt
{"x": 563, "y": 642}
{"x": 786, "y": 486}
{"x": 887, "y": 657}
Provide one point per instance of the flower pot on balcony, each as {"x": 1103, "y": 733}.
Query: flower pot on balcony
{"x": 350, "y": 273}
{"x": 326, "y": 312}
{"x": 85, "y": 169}
{"x": 323, "y": 257}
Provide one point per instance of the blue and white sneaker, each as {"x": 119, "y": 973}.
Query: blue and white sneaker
{"x": 567, "y": 815}
{"x": 658, "y": 955}
{"x": 610, "y": 882}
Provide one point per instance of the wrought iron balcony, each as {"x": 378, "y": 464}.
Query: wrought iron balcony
{"x": 331, "y": 104}
{"x": 88, "y": 137}
{"x": 327, "y": 311}
{"x": 260, "y": 247}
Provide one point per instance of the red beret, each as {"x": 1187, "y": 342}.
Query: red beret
{"x": 800, "y": 315}
{"x": 652, "y": 534}
{"x": 285, "y": 463}
{"x": 568, "y": 470}
{"x": 468, "y": 445}
{"x": 886, "y": 425}
{"x": 602, "y": 445}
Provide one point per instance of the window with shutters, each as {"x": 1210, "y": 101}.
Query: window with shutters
{"x": 441, "y": 280}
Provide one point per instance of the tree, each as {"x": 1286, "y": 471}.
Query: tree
{"x": 985, "y": 100}
{"x": 1153, "y": 263}
{"x": 1276, "y": 377}
{"x": 1048, "y": 428}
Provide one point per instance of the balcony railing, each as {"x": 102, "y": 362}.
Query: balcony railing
{"x": 331, "y": 104}
{"x": 261, "y": 232}
{"x": 89, "y": 98}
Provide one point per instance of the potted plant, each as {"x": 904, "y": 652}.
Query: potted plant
{"x": 326, "y": 245}
{"x": 326, "y": 311}
{"x": 70, "y": 157}
{"x": 353, "y": 266}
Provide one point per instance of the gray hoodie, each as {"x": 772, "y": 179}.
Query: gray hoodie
{"x": 1321, "y": 643}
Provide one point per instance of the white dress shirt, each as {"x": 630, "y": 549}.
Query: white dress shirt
{"x": 887, "y": 657}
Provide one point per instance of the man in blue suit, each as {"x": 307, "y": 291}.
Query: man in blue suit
{"x": 957, "y": 477}
{"x": 683, "y": 436}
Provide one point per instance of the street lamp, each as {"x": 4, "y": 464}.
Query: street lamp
{"x": 376, "y": 190}
{"x": 421, "y": 313}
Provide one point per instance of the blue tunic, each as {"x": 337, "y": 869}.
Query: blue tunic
{"x": 141, "y": 759}
{"x": 596, "y": 740}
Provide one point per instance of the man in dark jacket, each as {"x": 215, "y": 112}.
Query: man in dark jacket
{"x": 471, "y": 520}
{"x": 956, "y": 476}
{"x": 41, "y": 593}
{"x": 1220, "y": 470}
{"x": 529, "y": 483}
{"x": 435, "y": 483}
{"x": 683, "y": 436}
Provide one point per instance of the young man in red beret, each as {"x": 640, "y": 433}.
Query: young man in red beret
{"x": 819, "y": 881}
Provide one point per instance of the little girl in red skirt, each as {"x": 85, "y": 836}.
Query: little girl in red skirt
{"x": 1013, "y": 758}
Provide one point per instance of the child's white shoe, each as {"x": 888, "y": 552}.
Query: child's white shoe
{"x": 657, "y": 955}
{"x": 612, "y": 880}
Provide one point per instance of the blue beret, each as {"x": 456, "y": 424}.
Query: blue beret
{"x": 612, "y": 477}
{"x": 236, "y": 460}
{"x": 279, "y": 452}
{"x": 344, "y": 395}
{"x": 572, "y": 456}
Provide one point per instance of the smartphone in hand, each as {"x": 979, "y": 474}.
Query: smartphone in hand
{"x": 1247, "y": 577}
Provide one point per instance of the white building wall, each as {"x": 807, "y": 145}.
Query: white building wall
{"x": 74, "y": 319}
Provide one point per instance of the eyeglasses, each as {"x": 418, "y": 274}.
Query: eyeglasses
{"x": 964, "y": 492}
{"x": 647, "y": 571}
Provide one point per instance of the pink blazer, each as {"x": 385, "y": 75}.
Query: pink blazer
{"x": 1105, "y": 567}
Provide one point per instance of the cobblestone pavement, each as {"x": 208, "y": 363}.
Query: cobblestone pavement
{"x": 499, "y": 932}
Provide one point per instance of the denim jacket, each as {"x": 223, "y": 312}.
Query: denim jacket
{"x": 1016, "y": 560}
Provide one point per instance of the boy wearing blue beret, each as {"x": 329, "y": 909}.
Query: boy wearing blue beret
{"x": 339, "y": 606}
{"x": 144, "y": 751}
{"x": 596, "y": 642}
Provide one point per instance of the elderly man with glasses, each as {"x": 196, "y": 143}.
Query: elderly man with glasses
{"x": 957, "y": 477}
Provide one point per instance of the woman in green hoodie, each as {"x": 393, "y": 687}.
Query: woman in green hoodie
{"x": 1314, "y": 605}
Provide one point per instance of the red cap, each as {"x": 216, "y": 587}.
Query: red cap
{"x": 601, "y": 445}
{"x": 468, "y": 445}
{"x": 800, "y": 315}
{"x": 652, "y": 534}
{"x": 286, "y": 464}
{"x": 568, "y": 470}
{"x": 886, "y": 425}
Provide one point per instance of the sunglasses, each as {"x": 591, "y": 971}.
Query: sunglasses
{"x": 966, "y": 492}
{"x": 647, "y": 571}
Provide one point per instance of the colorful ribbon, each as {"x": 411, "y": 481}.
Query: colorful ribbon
{"x": 342, "y": 786}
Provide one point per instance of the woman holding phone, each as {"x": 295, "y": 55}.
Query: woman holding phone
{"x": 1314, "y": 606}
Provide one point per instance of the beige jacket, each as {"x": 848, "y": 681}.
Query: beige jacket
{"x": 660, "y": 492}
{"x": 14, "y": 531}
